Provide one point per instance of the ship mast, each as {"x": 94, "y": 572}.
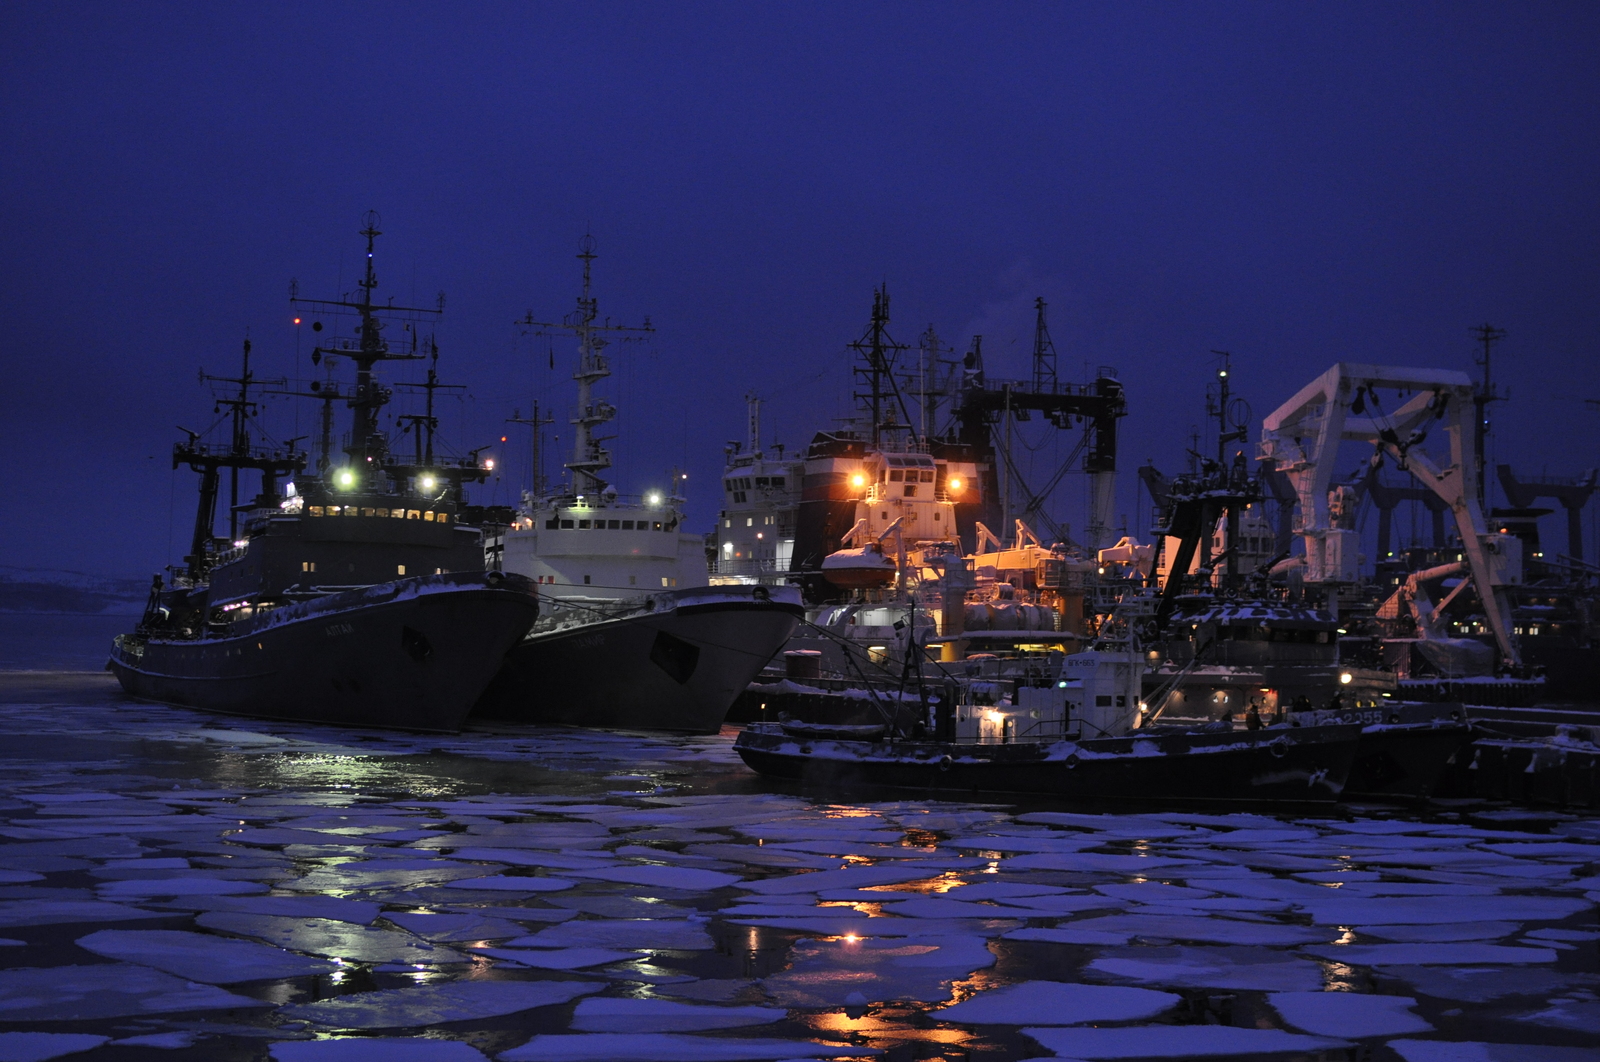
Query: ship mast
{"x": 879, "y": 352}
{"x": 367, "y": 445}
{"x": 589, "y": 458}
{"x": 239, "y": 454}
{"x": 1482, "y": 395}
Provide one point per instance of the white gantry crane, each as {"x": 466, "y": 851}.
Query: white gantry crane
{"x": 1394, "y": 410}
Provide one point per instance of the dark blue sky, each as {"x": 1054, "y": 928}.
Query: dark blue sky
{"x": 1294, "y": 183}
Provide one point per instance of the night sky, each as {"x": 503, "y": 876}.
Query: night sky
{"x": 1295, "y": 183}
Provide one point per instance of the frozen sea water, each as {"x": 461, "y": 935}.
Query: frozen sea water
{"x": 232, "y": 889}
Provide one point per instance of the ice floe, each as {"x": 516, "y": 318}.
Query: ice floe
{"x": 376, "y": 1049}
{"x": 424, "y": 1005}
{"x": 512, "y": 883}
{"x": 1214, "y": 967}
{"x": 1480, "y": 984}
{"x": 333, "y": 939}
{"x": 558, "y": 958}
{"x": 1473, "y": 1051}
{"x": 202, "y": 956}
{"x": 1057, "y": 1003}
{"x": 1340, "y": 910}
{"x": 445, "y": 928}
{"x": 1177, "y": 1041}
{"x": 640, "y": 934}
{"x": 1469, "y": 954}
{"x": 106, "y": 990}
{"x": 60, "y": 912}
{"x": 1354, "y": 1015}
{"x": 661, "y": 1015}
{"x": 1440, "y": 933}
{"x": 687, "y": 878}
{"x": 826, "y": 973}
{"x": 671, "y": 1047}
{"x": 41, "y": 1046}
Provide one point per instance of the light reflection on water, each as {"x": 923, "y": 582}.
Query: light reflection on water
{"x": 456, "y": 791}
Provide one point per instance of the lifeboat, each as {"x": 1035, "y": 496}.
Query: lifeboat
{"x": 860, "y": 568}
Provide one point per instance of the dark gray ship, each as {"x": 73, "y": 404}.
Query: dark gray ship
{"x": 356, "y": 595}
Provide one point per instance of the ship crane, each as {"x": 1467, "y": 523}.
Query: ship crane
{"x": 1301, "y": 440}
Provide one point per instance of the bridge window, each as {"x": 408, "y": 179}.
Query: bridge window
{"x": 566, "y": 525}
{"x": 911, "y": 490}
{"x": 627, "y": 525}
{"x": 427, "y": 517}
{"x": 614, "y": 525}
{"x": 316, "y": 510}
{"x": 413, "y": 514}
{"x": 383, "y": 513}
{"x": 397, "y": 514}
{"x": 895, "y": 475}
{"x": 552, "y": 524}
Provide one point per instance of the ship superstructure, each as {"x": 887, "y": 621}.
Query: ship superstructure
{"x": 583, "y": 540}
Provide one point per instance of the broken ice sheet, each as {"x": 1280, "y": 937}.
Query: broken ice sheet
{"x": 387, "y": 874}
{"x": 558, "y": 958}
{"x": 360, "y": 912}
{"x": 661, "y": 1015}
{"x": 61, "y": 912}
{"x": 1467, "y": 1051}
{"x": 335, "y": 940}
{"x": 1480, "y": 984}
{"x": 1203, "y": 929}
{"x": 377, "y": 1049}
{"x": 1578, "y": 1016}
{"x": 1353, "y": 1014}
{"x": 522, "y": 883}
{"x": 108, "y": 990}
{"x": 1057, "y": 1003}
{"x": 672, "y": 1047}
{"x": 443, "y": 928}
{"x": 826, "y": 973}
{"x": 1444, "y": 933}
{"x": 1177, "y": 1041}
{"x": 425, "y": 1005}
{"x": 637, "y": 934}
{"x": 201, "y": 956}
{"x": 1339, "y": 910}
{"x": 40, "y": 1046}
{"x": 1470, "y": 954}
{"x": 186, "y": 885}
{"x": 688, "y": 878}
{"x": 1214, "y": 967}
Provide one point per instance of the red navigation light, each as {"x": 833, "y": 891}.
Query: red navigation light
{"x": 297, "y": 320}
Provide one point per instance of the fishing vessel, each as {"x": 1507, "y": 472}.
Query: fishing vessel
{"x": 354, "y": 595}
{"x": 632, "y": 634}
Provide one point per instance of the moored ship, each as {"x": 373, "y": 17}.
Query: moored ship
{"x": 632, "y": 635}
{"x": 356, "y": 595}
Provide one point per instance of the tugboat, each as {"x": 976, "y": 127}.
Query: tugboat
{"x": 356, "y": 596}
{"x": 1080, "y": 739}
{"x": 632, "y": 636}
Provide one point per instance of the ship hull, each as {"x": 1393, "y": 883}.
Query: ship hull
{"x": 674, "y": 668}
{"x": 1290, "y": 764}
{"x": 413, "y": 654}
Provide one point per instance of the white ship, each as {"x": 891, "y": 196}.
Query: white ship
{"x": 630, "y": 634}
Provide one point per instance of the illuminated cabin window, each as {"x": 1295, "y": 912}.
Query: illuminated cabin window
{"x": 444, "y": 518}
{"x": 663, "y": 580}
{"x": 316, "y": 510}
{"x": 427, "y": 517}
{"x": 656, "y": 526}
{"x": 413, "y": 514}
{"x": 383, "y": 512}
{"x": 308, "y": 566}
{"x": 353, "y": 510}
{"x": 398, "y": 514}
{"x": 368, "y": 512}
{"x": 399, "y": 569}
